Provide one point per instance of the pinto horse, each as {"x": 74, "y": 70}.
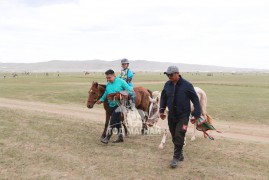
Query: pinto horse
{"x": 154, "y": 112}
{"x": 142, "y": 103}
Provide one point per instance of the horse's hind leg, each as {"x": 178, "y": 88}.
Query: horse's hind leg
{"x": 144, "y": 127}
{"x": 194, "y": 133}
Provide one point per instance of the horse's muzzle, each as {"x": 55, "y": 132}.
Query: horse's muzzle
{"x": 89, "y": 106}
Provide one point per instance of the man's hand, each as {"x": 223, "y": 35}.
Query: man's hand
{"x": 162, "y": 116}
{"x": 193, "y": 119}
{"x": 98, "y": 102}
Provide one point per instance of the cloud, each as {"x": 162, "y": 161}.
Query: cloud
{"x": 221, "y": 32}
{"x": 35, "y": 3}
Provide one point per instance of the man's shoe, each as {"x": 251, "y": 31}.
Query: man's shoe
{"x": 174, "y": 163}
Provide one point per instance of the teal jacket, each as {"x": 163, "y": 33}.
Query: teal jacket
{"x": 116, "y": 86}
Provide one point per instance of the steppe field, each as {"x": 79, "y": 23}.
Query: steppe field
{"x": 47, "y": 132}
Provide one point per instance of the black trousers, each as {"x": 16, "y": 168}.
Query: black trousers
{"x": 178, "y": 129}
{"x": 115, "y": 119}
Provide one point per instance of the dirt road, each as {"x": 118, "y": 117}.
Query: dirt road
{"x": 235, "y": 131}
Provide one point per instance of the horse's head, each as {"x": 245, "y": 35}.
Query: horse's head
{"x": 96, "y": 91}
{"x": 153, "y": 115}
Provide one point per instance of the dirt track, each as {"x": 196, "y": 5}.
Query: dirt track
{"x": 235, "y": 131}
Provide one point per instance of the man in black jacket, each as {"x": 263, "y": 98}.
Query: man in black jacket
{"x": 176, "y": 95}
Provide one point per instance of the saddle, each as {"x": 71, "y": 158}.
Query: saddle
{"x": 120, "y": 96}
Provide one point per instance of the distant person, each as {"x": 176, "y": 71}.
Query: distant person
{"x": 176, "y": 95}
{"x": 114, "y": 85}
{"x": 127, "y": 75}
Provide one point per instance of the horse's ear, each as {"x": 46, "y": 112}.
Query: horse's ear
{"x": 95, "y": 84}
{"x": 150, "y": 99}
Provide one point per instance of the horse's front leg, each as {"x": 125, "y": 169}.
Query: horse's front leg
{"x": 194, "y": 132}
{"x": 125, "y": 129}
{"x": 124, "y": 123}
{"x": 163, "y": 139}
{"x": 144, "y": 126}
{"x": 106, "y": 125}
{"x": 143, "y": 118}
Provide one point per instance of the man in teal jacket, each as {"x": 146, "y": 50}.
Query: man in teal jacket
{"x": 114, "y": 85}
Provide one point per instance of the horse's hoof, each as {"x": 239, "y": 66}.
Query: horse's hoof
{"x": 102, "y": 137}
{"x": 160, "y": 146}
{"x": 193, "y": 138}
{"x": 143, "y": 132}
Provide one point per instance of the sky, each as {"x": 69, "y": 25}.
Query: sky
{"x": 231, "y": 33}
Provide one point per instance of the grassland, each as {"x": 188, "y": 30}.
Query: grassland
{"x": 45, "y": 146}
{"x": 36, "y": 145}
{"x": 231, "y": 97}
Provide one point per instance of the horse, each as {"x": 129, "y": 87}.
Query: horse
{"x": 142, "y": 103}
{"x": 154, "y": 112}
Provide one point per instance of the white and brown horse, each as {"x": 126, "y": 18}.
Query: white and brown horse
{"x": 154, "y": 112}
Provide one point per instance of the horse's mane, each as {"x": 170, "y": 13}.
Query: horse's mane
{"x": 102, "y": 85}
{"x": 150, "y": 92}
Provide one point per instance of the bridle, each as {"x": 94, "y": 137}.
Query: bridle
{"x": 156, "y": 114}
{"x": 98, "y": 96}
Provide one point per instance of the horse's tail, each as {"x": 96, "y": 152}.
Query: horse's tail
{"x": 209, "y": 119}
{"x": 150, "y": 92}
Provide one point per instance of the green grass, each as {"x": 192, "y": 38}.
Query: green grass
{"x": 231, "y": 97}
{"x": 45, "y": 146}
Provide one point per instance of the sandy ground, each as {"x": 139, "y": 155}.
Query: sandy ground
{"x": 233, "y": 131}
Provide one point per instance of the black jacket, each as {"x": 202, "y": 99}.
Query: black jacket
{"x": 177, "y": 98}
